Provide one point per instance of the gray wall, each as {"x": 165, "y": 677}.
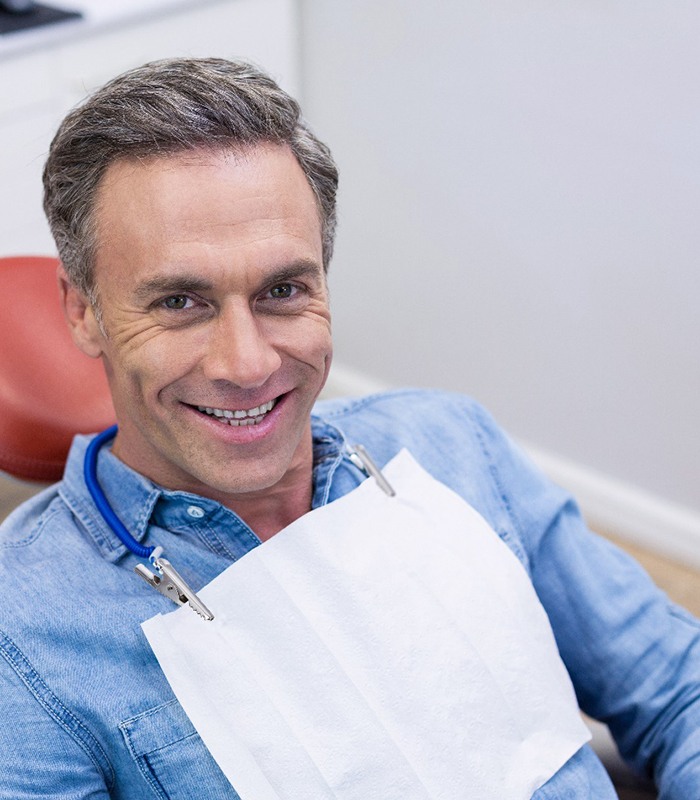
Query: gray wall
{"x": 519, "y": 214}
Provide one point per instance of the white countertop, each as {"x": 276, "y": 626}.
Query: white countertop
{"x": 97, "y": 14}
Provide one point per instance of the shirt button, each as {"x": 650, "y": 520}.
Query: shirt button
{"x": 195, "y": 511}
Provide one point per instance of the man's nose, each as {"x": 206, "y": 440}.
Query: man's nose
{"x": 238, "y": 350}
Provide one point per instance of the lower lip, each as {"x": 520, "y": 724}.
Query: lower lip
{"x": 243, "y": 433}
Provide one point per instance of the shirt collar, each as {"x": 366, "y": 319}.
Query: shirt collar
{"x": 134, "y": 497}
{"x": 131, "y": 495}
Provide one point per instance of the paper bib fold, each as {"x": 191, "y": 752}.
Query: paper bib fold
{"x": 376, "y": 649}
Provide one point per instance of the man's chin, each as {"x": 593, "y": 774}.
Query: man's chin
{"x": 248, "y": 471}
{"x": 246, "y": 484}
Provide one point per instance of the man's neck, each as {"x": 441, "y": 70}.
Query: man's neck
{"x": 268, "y": 515}
{"x": 268, "y": 511}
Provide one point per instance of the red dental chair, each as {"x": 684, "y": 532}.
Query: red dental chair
{"x": 49, "y": 390}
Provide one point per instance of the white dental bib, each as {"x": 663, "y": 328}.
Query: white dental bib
{"x": 379, "y": 648}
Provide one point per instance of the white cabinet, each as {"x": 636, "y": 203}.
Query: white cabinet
{"x": 41, "y": 78}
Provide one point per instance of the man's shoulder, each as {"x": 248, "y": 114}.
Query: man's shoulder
{"x": 24, "y": 525}
{"x": 38, "y": 560}
{"x": 438, "y": 427}
{"x": 404, "y": 405}
{"x": 38, "y": 543}
{"x": 41, "y": 546}
{"x": 39, "y": 517}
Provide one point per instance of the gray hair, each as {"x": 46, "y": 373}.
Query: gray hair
{"x": 165, "y": 108}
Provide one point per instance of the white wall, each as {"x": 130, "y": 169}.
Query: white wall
{"x": 519, "y": 215}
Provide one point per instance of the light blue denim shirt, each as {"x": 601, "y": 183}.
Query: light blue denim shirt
{"x": 87, "y": 713}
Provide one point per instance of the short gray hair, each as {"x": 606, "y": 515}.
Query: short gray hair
{"x": 165, "y": 108}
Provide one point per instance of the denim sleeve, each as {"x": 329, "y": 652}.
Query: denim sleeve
{"x": 41, "y": 753}
{"x": 633, "y": 655}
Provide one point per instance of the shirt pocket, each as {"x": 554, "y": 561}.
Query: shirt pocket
{"x": 171, "y": 756}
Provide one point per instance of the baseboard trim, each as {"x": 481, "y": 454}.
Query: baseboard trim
{"x": 608, "y": 504}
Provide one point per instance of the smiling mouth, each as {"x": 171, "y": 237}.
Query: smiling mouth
{"x": 250, "y": 416}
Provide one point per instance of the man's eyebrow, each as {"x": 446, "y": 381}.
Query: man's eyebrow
{"x": 299, "y": 269}
{"x": 175, "y": 284}
{"x": 190, "y": 282}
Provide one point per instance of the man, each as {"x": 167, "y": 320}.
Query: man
{"x": 194, "y": 214}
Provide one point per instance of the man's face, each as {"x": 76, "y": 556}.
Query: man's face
{"x": 215, "y": 313}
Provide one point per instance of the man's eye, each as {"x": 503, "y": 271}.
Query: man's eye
{"x": 282, "y": 291}
{"x": 176, "y": 302}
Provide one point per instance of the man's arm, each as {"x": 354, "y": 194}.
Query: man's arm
{"x": 41, "y": 752}
{"x": 633, "y": 655}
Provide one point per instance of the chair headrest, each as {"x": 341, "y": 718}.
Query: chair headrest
{"x": 49, "y": 390}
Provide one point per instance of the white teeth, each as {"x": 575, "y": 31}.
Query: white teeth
{"x": 251, "y": 416}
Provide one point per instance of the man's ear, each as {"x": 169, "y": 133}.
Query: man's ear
{"x": 80, "y": 317}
